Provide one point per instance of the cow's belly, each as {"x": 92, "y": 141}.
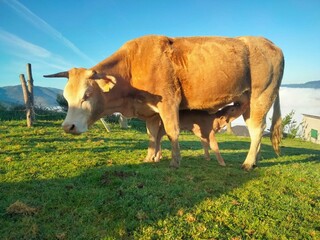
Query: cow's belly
{"x": 211, "y": 95}
{"x": 213, "y": 77}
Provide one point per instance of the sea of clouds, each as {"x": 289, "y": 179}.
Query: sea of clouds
{"x": 301, "y": 100}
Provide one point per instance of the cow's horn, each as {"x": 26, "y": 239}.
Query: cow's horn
{"x": 57, "y": 75}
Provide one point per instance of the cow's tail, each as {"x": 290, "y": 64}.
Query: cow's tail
{"x": 276, "y": 127}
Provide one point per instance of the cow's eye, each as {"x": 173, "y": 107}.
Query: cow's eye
{"x": 86, "y": 96}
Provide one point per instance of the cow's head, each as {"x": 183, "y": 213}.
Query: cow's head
{"x": 84, "y": 90}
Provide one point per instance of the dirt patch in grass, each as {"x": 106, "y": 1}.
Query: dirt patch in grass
{"x": 20, "y": 208}
{"x": 106, "y": 178}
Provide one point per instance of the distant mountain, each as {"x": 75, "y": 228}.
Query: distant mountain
{"x": 46, "y": 97}
{"x": 43, "y": 96}
{"x": 312, "y": 84}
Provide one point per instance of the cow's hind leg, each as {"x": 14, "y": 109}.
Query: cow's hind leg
{"x": 255, "y": 130}
{"x": 255, "y": 118}
{"x": 266, "y": 70}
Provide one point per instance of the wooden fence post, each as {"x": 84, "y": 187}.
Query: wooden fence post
{"x": 30, "y": 90}
{"x": 26, "y": 100}
{"x": 27, "y": 90}
{"x": 105, "y": 124}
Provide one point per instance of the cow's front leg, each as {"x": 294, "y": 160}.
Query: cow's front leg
{"x": 170, "y": 120}
{"x": 154, "y": 151}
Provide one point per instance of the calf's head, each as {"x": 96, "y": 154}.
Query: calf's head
{"x": 226, "y": 115}
{"x": 84, "y": 91}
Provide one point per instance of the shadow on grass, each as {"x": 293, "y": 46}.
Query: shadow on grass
{"x": 239, "y": 148}
{"x": 118, "y": 200}
{"x": 114, "y": 201}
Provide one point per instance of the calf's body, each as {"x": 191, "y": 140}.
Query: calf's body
{"x": 205, "y": 125}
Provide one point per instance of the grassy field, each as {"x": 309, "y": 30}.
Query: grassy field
{"x": 96, "y": 186}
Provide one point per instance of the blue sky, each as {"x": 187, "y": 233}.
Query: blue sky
{"x": 58, "y": 35}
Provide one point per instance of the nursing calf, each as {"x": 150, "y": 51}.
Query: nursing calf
{"x": 204, "y": 126}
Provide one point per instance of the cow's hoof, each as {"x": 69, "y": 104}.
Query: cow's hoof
{"x": 223, "y": 164}
{"x": 247, "y": 167}
{"x": 174, "y": 164}
{"x": 147, "y": 159}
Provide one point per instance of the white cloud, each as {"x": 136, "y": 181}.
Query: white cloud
{"x": 21, "y": 46}
{"x": 45, "y": 27}
{"x": 300, "y": 100}
{"x": 30, "y": 52}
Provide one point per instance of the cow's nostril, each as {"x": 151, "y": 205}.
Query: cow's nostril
{"x": 72, "y": 127}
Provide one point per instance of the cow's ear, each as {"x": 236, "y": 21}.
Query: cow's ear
{"x": 216, "y": 125}
{"x": 224, "y": 119}
{"x": 106, "y": 83}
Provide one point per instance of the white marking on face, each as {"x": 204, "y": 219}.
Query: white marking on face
{"x": 79, "y": 110}
{"x": 154, "y": 108}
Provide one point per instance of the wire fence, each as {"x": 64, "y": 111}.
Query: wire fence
{"x": 19, "y": 113}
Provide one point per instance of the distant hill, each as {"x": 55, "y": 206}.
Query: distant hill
{"x": 43, "y": 96}
{"x": 311, "y": 84}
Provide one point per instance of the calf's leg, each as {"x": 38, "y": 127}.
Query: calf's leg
{"x": 204, "y": 141}
{"x": 161, "y": 133}
{"x": 214, "y": 146}
{"x": 205, "y": 146}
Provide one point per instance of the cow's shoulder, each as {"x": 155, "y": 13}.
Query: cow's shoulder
{"x": 146, "y": 42}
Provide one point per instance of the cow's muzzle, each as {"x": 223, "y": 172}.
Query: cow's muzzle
{"x": 70, "y": 128}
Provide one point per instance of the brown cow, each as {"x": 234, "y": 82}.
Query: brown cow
{"x": 204, "y": 126}
{"x": 203, "y": 73}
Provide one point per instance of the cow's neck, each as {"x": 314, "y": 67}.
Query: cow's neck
{"x": 116, "y": 65}
{"x": 124, "y": 98}
{"x": 130, "y": 106}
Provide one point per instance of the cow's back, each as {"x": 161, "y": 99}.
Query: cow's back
{"x": 211, "y": 70}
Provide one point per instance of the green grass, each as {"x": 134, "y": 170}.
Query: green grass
{"x": 96, "y": 186}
